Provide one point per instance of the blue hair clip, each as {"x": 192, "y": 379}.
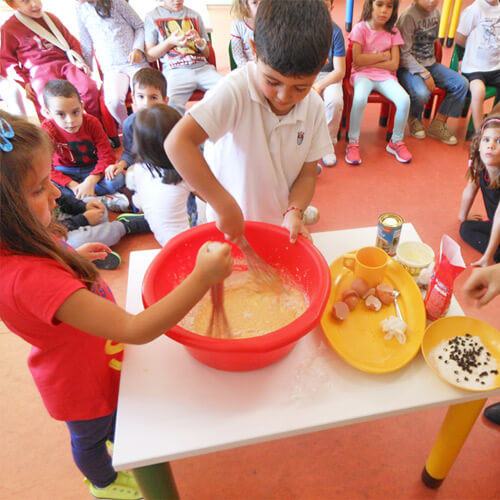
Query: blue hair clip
{"x": 6, "y": 133}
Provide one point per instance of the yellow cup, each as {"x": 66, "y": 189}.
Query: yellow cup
{"x": 367, "y": 263}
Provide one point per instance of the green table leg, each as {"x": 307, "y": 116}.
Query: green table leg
{"x": 454, "y": 431}
{"x": 156, "y": 482}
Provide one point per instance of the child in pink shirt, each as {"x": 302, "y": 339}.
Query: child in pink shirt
{"x": 375, "y": 59}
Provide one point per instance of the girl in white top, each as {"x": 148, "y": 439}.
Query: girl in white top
{"x": 160, "y": 191}
{"x": 115, "y": 32}
{"x": 242, "y": 30}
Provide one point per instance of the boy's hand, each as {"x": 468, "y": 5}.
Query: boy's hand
{"x": 135, "y": 56}
{"x": 94, "y": 216}
{"x": 113, "y": 170}
{"x": 177, "y": 39}
{"x": 85, "y": 189}
{"x": 94, "y": 251}
{"x": 231, "y": 222}
{"x": 215, "y": 264}
{"x": 295, "y": 224}
{"x": 482, "y": 285}
{"x": 95, "y": 204}
{"x": 193, "y": 36}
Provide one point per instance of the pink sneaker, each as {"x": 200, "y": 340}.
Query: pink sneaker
{"x": 399, "y": 150}
{"x": 352, "y": 155}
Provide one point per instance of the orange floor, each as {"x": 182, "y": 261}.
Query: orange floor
{"x": 375, "y": 460}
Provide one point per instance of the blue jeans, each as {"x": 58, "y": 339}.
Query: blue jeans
{"x": 388, "y": 88}
{"x": 80, "y": 174}
{"x": 455, "y": 85}
{"x": 88, "y": 444}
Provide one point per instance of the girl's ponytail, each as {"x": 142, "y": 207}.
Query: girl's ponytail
{"x": 103, "y": 8}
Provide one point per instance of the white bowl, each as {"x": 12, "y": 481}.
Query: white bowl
{"x": 414, "y": 256}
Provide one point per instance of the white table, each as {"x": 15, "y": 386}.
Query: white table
{"x": 171, "y": 406}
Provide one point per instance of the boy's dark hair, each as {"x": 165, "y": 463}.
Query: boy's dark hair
{"x": 366, "y": 14}
{"x": 293, "y": 37}
{"x": 59, "y": 88}
{"x": 151, "y": 126}
{"x": 150, "y": 77}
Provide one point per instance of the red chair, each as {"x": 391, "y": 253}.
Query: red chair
{"x": 387, "y": 109}
{"x": 438, "y": 94}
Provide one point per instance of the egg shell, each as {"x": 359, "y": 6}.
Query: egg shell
{"x": 360, "y": 286}
{"x": 340, "y": 310}
{"x": 352, "y": 301}
{"x": 349, "y": 293}
{"x": 384, "y": 293}
{"x": 373, "y": 303}
{"x": 370, "y": 292}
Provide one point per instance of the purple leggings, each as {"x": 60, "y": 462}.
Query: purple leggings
{"x": 88, "y": 445}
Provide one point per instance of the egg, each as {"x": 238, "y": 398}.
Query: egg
{"x": 384, "y": 293}
{"x": 373, "y": 303}
{"x": 340, "y": 310}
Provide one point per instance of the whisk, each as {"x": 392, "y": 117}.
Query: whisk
{"x": 218, "y": 326}
{"x": 262, "y": 272}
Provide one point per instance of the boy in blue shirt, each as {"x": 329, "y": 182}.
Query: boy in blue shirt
{"x": 266, "y": 130}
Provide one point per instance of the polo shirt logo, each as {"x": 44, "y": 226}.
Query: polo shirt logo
{"x": 300, "y": 138}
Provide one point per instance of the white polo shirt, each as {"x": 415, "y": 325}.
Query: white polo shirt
{"x": 255, "y": 154}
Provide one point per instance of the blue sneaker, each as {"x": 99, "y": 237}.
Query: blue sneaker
{"x": 134, "y": 223}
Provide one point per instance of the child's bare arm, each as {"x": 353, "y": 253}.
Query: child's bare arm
{"x": 460, "y": 39}
{"x": 156, "y": 50}
{"x": 334, "y": 76}
{"x": 391, "y": 64}
{"x": 100, "y": 317}
{"x": 359, "y": 59}
{"x": 468, "y": 196}
{"x": 182, "y": 146}
{"x": 483, "y": 285}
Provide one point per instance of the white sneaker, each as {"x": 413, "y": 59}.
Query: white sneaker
{"x": 311, "y": 215}
{"x": 116, "y": 202}
{"x": 329, "y": 160}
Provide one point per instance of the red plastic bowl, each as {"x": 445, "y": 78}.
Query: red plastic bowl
{"x": 302, "y": 261}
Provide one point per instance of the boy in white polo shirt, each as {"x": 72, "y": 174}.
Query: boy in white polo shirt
{"x": 266, "y": 130}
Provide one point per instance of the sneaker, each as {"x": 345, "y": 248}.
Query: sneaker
{"x": 416, "y": 127}
{"x": 111, "y": 261}
{"x": 116, "y": 202}
{"x": 329, "y": 160}
{"x": 311, "y": 215}
{"x": 134, "y": 223}
{"x": 123, "y": 487}
{"x": 438, "y": 130}
{"x": 492, "y": 413}
{"x": 352, "y": 155}
{"x": 399, "y": 150}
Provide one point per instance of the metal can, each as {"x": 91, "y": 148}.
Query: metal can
{"x": 388, "y": 232}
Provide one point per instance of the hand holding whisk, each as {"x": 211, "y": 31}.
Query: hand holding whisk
{"x": 218, "y": 326}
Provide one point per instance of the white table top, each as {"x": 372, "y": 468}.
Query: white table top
{"x": 171, "y": 406}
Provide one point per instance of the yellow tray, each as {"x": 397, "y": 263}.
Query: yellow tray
{"x": 451, "y": 326}
{"x": 359, "y": 339}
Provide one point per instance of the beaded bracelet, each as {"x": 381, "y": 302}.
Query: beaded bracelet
{"x": 289, "y": 209}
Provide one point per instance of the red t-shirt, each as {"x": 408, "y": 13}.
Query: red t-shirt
{"x": 89, "y": 147}
{"x": 76, "y": 373}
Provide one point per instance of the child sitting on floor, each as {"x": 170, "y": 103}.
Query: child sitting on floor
{"x": 242, "y": 30}
{"x": 375, "y": 59}
{"x": 420, "y": 74}
{"x": 478, "y": 31}
{"x": 88, "y": 222}
{"x": 484, "y": 175}
{"x": 176, "y": 35}
{"x": 160, "y": 191}
{"x": 266, "y": 129}
{"x": 82, "y": 150}
{"x": 37, "y": 48}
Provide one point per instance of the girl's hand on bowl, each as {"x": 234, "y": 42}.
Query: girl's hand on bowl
{"x": 214, "y": 263}
{"x": 294, "y": 222}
